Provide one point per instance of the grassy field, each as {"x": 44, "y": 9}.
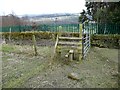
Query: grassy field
{"x": 20, "y": 64}
{"x": 21, "y": 69}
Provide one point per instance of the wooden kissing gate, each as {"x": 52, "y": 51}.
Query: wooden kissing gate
{"x": 75, "y": 46}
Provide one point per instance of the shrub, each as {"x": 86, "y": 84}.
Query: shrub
{"x": 27, "y": 35}
{"x": 109, "y": 41}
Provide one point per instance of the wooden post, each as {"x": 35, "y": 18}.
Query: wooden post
{"x": 71, "y": 55}
{"x": 59, "y": 35}
{"x": 34, "y": 44}
{"x": 53, "y": 37}
{"x": 80, "y": 36}
{"x": 10, "y": 34}
{"x": 55, "y": 49}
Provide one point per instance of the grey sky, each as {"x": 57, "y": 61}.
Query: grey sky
{"x": 20, "y": 7}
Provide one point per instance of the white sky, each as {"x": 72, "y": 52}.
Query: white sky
{"x": 21, "y": 7}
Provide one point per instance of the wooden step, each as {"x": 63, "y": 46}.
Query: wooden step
{"x": 69, "y": 43}
{"x": 71, "y": 47}
{"x": 70, "y": 38}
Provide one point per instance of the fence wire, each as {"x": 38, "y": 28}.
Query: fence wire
{"x": 93, "y": 28}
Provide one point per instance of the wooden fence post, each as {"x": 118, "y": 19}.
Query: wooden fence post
{"x": 58, "y": 48}
{"x": 10, "y": 34}
{"x": 80, "y": 47}
{"x": 34, "y": 44}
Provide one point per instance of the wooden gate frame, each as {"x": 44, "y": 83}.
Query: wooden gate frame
{"x": 84, "y": 43}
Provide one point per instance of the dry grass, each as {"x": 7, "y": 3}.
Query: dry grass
{"x": 22, "y": 69}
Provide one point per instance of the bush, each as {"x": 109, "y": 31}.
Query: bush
{"x": 109, "y": 41}
{"x": 27, "y": 35}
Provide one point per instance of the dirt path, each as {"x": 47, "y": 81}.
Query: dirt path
{"x": 100, "y": 69}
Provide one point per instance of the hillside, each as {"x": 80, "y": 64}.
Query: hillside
{"x": 58, "y": 18}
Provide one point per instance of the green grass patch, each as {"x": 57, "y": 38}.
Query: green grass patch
{"x": 7, "y": 48}
{"x": 16, "y": 82}
{"x": 21, "y": 66}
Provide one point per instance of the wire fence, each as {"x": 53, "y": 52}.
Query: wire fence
{"x": 102, "y": 28}
{"x": 43, "y": 27}
{"x": 93, "y": 28}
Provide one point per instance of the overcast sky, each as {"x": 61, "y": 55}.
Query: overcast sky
{"x": 20, "y": 7}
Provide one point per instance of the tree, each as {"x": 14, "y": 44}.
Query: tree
{"x": 82, "y": 17}
{"x": 106, "y": 12}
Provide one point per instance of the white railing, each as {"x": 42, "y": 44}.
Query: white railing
{"x": 85, "y": 42}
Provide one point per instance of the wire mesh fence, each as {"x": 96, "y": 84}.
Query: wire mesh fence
{"x": 43, "y": 27}
{"x": 102, "y": 28}
{"x": 93, "y": 28}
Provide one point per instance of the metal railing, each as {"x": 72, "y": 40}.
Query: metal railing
{"x": 93, "y": 28}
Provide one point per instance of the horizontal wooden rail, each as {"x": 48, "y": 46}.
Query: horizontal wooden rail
{"x": 70, "y": 38}
{"x": 69, "y": 43}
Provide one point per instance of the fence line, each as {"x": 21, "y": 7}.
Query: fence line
{"x": 93, "y": 28}
{"x": 102, "y": 28}
{"x": 50, "y": 28}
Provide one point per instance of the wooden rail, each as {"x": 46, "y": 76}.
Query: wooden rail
{"x": 81, "y": 43}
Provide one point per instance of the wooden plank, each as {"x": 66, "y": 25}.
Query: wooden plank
{"x": 70, "y": 38}
{"x": 69, "y": 43}
{"x": 71, "y": 47}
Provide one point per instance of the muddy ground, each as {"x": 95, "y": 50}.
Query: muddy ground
{"x": 24, "y": 70}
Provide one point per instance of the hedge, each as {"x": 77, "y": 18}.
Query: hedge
{"x": 96, "y": 40}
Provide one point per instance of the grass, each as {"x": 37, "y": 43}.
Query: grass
{"x": 17, "y": 82}
{"x": 19, "y": 64}
{"x": 21, "y": 68}
{"x": 7, "y": 48}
